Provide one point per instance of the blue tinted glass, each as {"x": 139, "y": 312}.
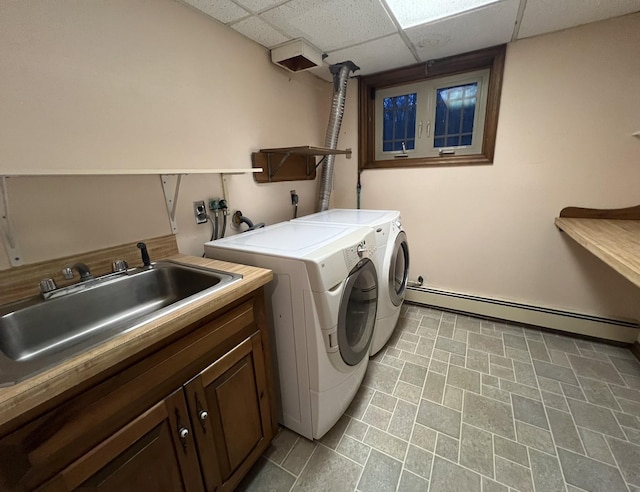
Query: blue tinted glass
{"x": 455, "y": 114}
{"x": 411, "y": 125}
{"x": 438, "y": 142}
{"x": 453, "y": 141}
{"x": 468, "y": 113}
{"x": 387, "y": 127}
{"x": 411, "y": 144}
{"x": 397, "y": 145}
{"x": 465, "y": 140}
{"x": 400, "y": 124}
{"x": 387, "y": 147}
{"x": 401, "y": 101}
{"x": 441, "y": 115}
{"x": 413, "y": 99}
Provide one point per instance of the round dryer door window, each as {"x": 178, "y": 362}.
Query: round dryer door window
{"x": 358, "y": 312}
{"x": 399, "y": 269}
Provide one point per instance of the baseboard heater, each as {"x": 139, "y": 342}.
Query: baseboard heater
{"x": 618, "y": 330}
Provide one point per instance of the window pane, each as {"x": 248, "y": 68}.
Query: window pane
{"x": 465, "y": 139}
{"x": 399, "y": 126}
{"x": 455, "y": 111}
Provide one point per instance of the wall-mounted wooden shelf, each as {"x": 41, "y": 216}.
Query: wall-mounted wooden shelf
{"x": 120, "y": 172}
{"x": 290, "y": 163}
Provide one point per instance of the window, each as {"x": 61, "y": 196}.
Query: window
{"x": 443, "y": 112}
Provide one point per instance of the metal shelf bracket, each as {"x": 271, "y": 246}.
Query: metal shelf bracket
{"x": 171, "y": 188}
{"x": 6, "y": 227}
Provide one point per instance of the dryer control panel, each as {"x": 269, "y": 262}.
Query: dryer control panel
{"x": 353, "y": 254}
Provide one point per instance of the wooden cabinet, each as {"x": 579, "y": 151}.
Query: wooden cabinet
{"x": 194, "y": 416}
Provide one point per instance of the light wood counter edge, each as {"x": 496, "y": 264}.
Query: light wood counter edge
{"x": 33, "y": 392}
{"x": 587, "y": 232}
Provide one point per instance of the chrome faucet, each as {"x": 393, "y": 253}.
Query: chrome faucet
{"x": 83, "y": 270}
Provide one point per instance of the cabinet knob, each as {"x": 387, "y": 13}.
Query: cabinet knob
{"x": 203, "y": 415}
{"x": 183, "y": 432}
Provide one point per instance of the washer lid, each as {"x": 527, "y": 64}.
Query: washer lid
{"x": 348, "y": 216}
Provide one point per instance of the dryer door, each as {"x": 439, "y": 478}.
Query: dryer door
{"x": 357, "y": 313}
{"x": 399, "y": 269}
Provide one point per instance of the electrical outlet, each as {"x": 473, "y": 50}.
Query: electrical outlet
{"x": 200, "y": 211}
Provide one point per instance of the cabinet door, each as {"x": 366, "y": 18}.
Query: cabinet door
{"x": 154, "y": 452}
{"x": 229, "y": 406}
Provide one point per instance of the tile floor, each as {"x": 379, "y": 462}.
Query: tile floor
{"x": 455, "y": 403}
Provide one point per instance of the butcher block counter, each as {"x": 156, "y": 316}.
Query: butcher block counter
{"x": 186, "y": 399}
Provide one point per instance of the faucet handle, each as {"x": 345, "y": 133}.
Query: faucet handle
{"x": 47, "y": 285}
{"x": 119, "y": 266}
{"x": 67, "y": 273}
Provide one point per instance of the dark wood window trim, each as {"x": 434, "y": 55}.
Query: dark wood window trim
{"x": 492, "y": 58}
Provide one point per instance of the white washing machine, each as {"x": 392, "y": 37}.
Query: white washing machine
{"x": 391, "y": 260}
{"x": 322, "y": 305}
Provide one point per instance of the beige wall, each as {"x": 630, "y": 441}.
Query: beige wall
{"x": 145, "y": 84}
{"x": 569, "y": 106}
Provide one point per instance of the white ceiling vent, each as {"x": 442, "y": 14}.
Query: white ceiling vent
{"x": 296, "y": 55}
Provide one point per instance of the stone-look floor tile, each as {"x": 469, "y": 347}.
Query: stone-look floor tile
{"x": 410, "y": 482}
{"x": 511, "y": 450}
{"x": 514, "y": 341}
{"x": 486, "y": 344}
{"x": 405, "y": 323}
{"x": 381, "y": 474}
{"x": 413, "y": 374}
{"x": 408, "y": 392}
{"x": 458, "y": 360}
{"x": 469, "y": 324}
{"x": 299, "y": 456}
{"x": 478, "y": 361}
{"x": 489, "y": 485}
{"x": 386, "y": 443}
{"x": 595, "y": 369}
{"x": 392, "y": 352}
{"x": 513, "y": 475}
{"x": 559, "y": 358}
{"x": 529, "y": 411}
{"x": 487, "y": 414}
{"x": 551, "y": 400}
{"x": 449, "y": 477}
{"x": 439, "y": 417}
{"x": 546, "y": 472}
{"x": 629, "y": 407}
{"x": 628, "y": 457}
{"x": 441, "y": 355}
{"x": 266, "y": 477}
{"x": 450, "y": 317}
{"x": 447, "y": 447}
{"x": 633, "y": 435}
{"x": 550, "y": 385}
{"x": 446, "y": 330}
{"x": 626, "y": 366}
{"x": 434, "y": 387}
{"x": 496, "y": 394}
{"x": 502, "y": 372}
{"x": 392, "y": 361}
{"x": 571, "y": 391}
{"x": 515, "y": 354}
{"x": 605, "y": 348}
{"x": 332, "y": 438}
{"x": 384, "y": 401}
{"x": 632, "y": 381}
{"x": 453, "y": 397}
{"x": 426, "y": 332}
{"x": 538, "y": 351}
{"x": 460, "y": 335}
{"x": 596, "y": 446}
{"x": 424, "y": 437}
{"x": 406, "y": 346}
{"x": 532, "y": 334}
{"x": 438, "y": 366}
{"x": 418, "y": 461}
{"x": 626, "y": 393}
{"x": 627, "y": 420}
{"x": 498, "y": 360}
{"x": 402, "y": 420}
{"x": 490, "y": 380}
{"x": 380, "y": 377}
{"x": 564, "y": 431}
{"x": 416, "y": 359}
{"x": 563, "y": 344}
{"x": 280, "y": 446}
{"x": 476, "y": 450}
{"x": 441, "y": 350}
{"x": 360, "y": 401}
{"x": 595, "y": 418}
{"x": 598, "y": 393}
{"x": 409, "y": 337}
{"x": 465, "y": 379}
{"x": 591, "y": 354}
{"x": 327, "y": 470}
{"x": 490, "y": 332}
{"x": 356, "y": 429}
{"x": 589, "y": 474}
{"x": 425, "y": 347}
{"x": 534, "y": 437}
{"x": 524, "y": 373}
{"x": 520, "y": 389}
{"x": 377, "y": 417}
{"x": 553, "y": 371}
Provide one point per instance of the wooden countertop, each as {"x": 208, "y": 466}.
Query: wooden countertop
{"x": 33, "y": 392}
{"x": 614, "y": 237}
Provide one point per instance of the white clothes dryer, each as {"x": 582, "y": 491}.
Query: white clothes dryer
{"x": 322, "y": 307}
{"x": 391, "y": 259}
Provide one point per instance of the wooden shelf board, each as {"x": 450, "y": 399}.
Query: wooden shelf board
{"x": 307, "y": 150}
{"x": 111, "y": 172}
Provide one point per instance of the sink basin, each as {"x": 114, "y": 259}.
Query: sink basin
{"x": 36, "y": 334}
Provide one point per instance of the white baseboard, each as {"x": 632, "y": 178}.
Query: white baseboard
{"x": 609, "y": 329}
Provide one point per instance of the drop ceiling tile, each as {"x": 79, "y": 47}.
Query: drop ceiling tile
{"x": 481, "y": 28}
{"x": 261, "y": 32}
{"x": 332, "y": 24}
{"x": 258, "y": 5}
{"x": 375, "y": 56}
{"x": 223, "y": 10}
{"x": 541, "y": 16}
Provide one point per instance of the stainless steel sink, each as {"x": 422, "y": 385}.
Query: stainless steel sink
{"x": 36, "y": 334}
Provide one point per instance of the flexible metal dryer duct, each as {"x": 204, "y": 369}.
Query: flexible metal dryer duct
{"x": 340, "y": 72}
